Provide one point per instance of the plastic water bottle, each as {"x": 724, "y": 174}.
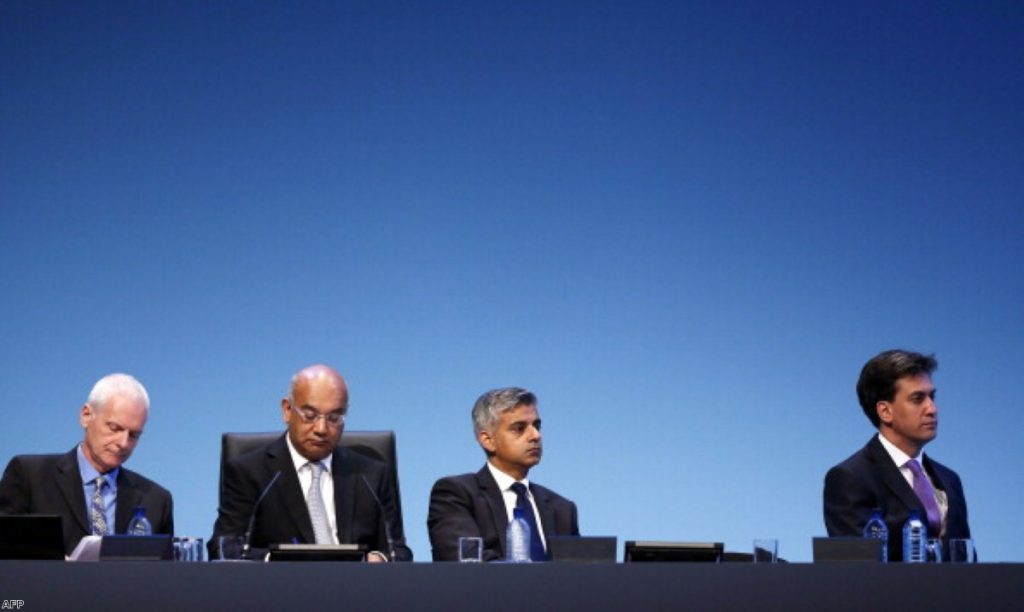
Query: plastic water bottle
{"x": 140, "y": 525}
{"x": 877, "y": 529}
{"x": 914, "y": 534}
{"x": 517, "y": 538}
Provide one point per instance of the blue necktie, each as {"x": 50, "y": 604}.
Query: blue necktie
{"x": 536, "y": 545}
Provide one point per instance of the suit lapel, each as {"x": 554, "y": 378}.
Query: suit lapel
{"x": 344, "y": 495}
{"x": 69, "y": 481}
{"x": 495, "y": 502}
{"x": 290, "y": 494}
{"x": 891, "y": 475}
{"x": 546, "y": 511}
{"x": 934, "y": 473}
{"x": 128, "y": 497}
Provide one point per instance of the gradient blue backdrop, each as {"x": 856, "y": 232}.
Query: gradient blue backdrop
{"x": 684, "y": 225}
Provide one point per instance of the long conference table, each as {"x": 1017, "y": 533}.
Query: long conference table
{"x": 155, "y": 585}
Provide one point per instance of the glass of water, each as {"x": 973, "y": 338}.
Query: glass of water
{"x": 471, "y": 550}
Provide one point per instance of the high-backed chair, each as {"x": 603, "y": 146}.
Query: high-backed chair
{"x": 379, "y": 445}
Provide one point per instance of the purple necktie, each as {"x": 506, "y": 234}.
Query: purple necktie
{"x": 925, "y": 492}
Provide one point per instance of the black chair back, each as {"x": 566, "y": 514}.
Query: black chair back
{"x": 379, "y": 445}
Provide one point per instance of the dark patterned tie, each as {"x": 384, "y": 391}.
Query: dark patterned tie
{"x": 537, "y": 552}
{"x": 925, "y": 493}
{"x": 97, "y": 509}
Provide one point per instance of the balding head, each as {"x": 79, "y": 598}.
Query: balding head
{"x": 321, "y": 376}
{"x": 315, "y": 410}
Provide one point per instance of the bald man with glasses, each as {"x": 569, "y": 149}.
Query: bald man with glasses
{"x": 322, "y": 495}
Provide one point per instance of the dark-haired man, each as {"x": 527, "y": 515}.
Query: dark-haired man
{"x": 891, "y": 473}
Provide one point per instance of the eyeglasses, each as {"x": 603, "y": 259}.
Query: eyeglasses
{"x": 310, "y": 416}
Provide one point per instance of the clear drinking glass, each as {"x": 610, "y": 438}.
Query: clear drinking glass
{"x": 961, "y": 550}
{"x": 471, "y": 550}
{"x": 229, "y": 547}
{"x": 933, "y": 550}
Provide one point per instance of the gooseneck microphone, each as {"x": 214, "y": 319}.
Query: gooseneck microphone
{"x": 252, "y": 519}
{"x": 384, "y": 517}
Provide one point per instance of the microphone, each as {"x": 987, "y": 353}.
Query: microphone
{"x": 384, "y": 517}
{"x": 252, "y": 519}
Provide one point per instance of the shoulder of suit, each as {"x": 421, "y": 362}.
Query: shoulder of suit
{"x": 37, "y": 462}
{"x": 356, "y": 460}
{"x": 859, "y": 458}
{"x": 141, "y": 482}
{"x": 542, "y": 491}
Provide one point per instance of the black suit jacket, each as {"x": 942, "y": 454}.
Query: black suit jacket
{"x": 472, "y": 505}
{"x": 282, "y": 516}
{"x": 52, "y": 484}
{"x": 870, "y": 479}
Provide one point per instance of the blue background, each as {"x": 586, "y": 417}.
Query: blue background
{"x": 684, "y": 225}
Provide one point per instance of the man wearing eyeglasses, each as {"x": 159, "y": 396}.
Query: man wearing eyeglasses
{"x": 323, "y": 494}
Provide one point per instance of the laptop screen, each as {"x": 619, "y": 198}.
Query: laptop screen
{"x": 31, "y": 536}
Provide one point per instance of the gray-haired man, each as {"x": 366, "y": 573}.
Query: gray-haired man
{"x": 507, "y": 426}
{"x": 87, "y": 486}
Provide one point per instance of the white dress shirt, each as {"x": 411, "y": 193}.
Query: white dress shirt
{"x": 305, "y": 473}
{"x": 505, "y": 483}
{"x": 900, "y": 458}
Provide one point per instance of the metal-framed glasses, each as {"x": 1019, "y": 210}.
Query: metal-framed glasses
{"x": 310, "y": 416}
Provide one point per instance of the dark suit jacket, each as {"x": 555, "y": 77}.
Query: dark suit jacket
{"x": 870, "y": 479}
{"x": 472, "y": 505}
{"x": 52, "y": 484}
{"x": 283, "y": 517}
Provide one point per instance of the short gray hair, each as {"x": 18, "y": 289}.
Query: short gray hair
{"x": 116, "y": 385}
{"x": 490, "y": 405}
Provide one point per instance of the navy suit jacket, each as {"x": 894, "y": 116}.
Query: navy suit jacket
{"x": 283, "y": 517}
{"x": 870, "y": 479}
{"x": 52, "y": 484}
{"x": 472, "y": 505}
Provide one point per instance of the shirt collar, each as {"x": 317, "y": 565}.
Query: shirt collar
{"x": 299, "y": 461}
{"x": 89, "y": 473}
{"x": 899, "y": 457}
{"x": 504, "y": 480}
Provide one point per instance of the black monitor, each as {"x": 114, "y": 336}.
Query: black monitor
{"x": 646, "y": 552}
{"x": 847, "y": 549}
{"x": 583, "y": 549}
{"x": 317, "y": 552}
{"x": 31, "y": 536}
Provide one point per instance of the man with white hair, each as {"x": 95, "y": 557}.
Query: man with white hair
{"x": 507, "y": 427}
{"x": 87, "y": 486}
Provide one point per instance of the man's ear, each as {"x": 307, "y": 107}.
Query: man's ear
{"x": 884, "y": 411}
{"x": 85, "y": 415}
{"x": 285, "y": 405}
{"x": 486, "y": 440}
